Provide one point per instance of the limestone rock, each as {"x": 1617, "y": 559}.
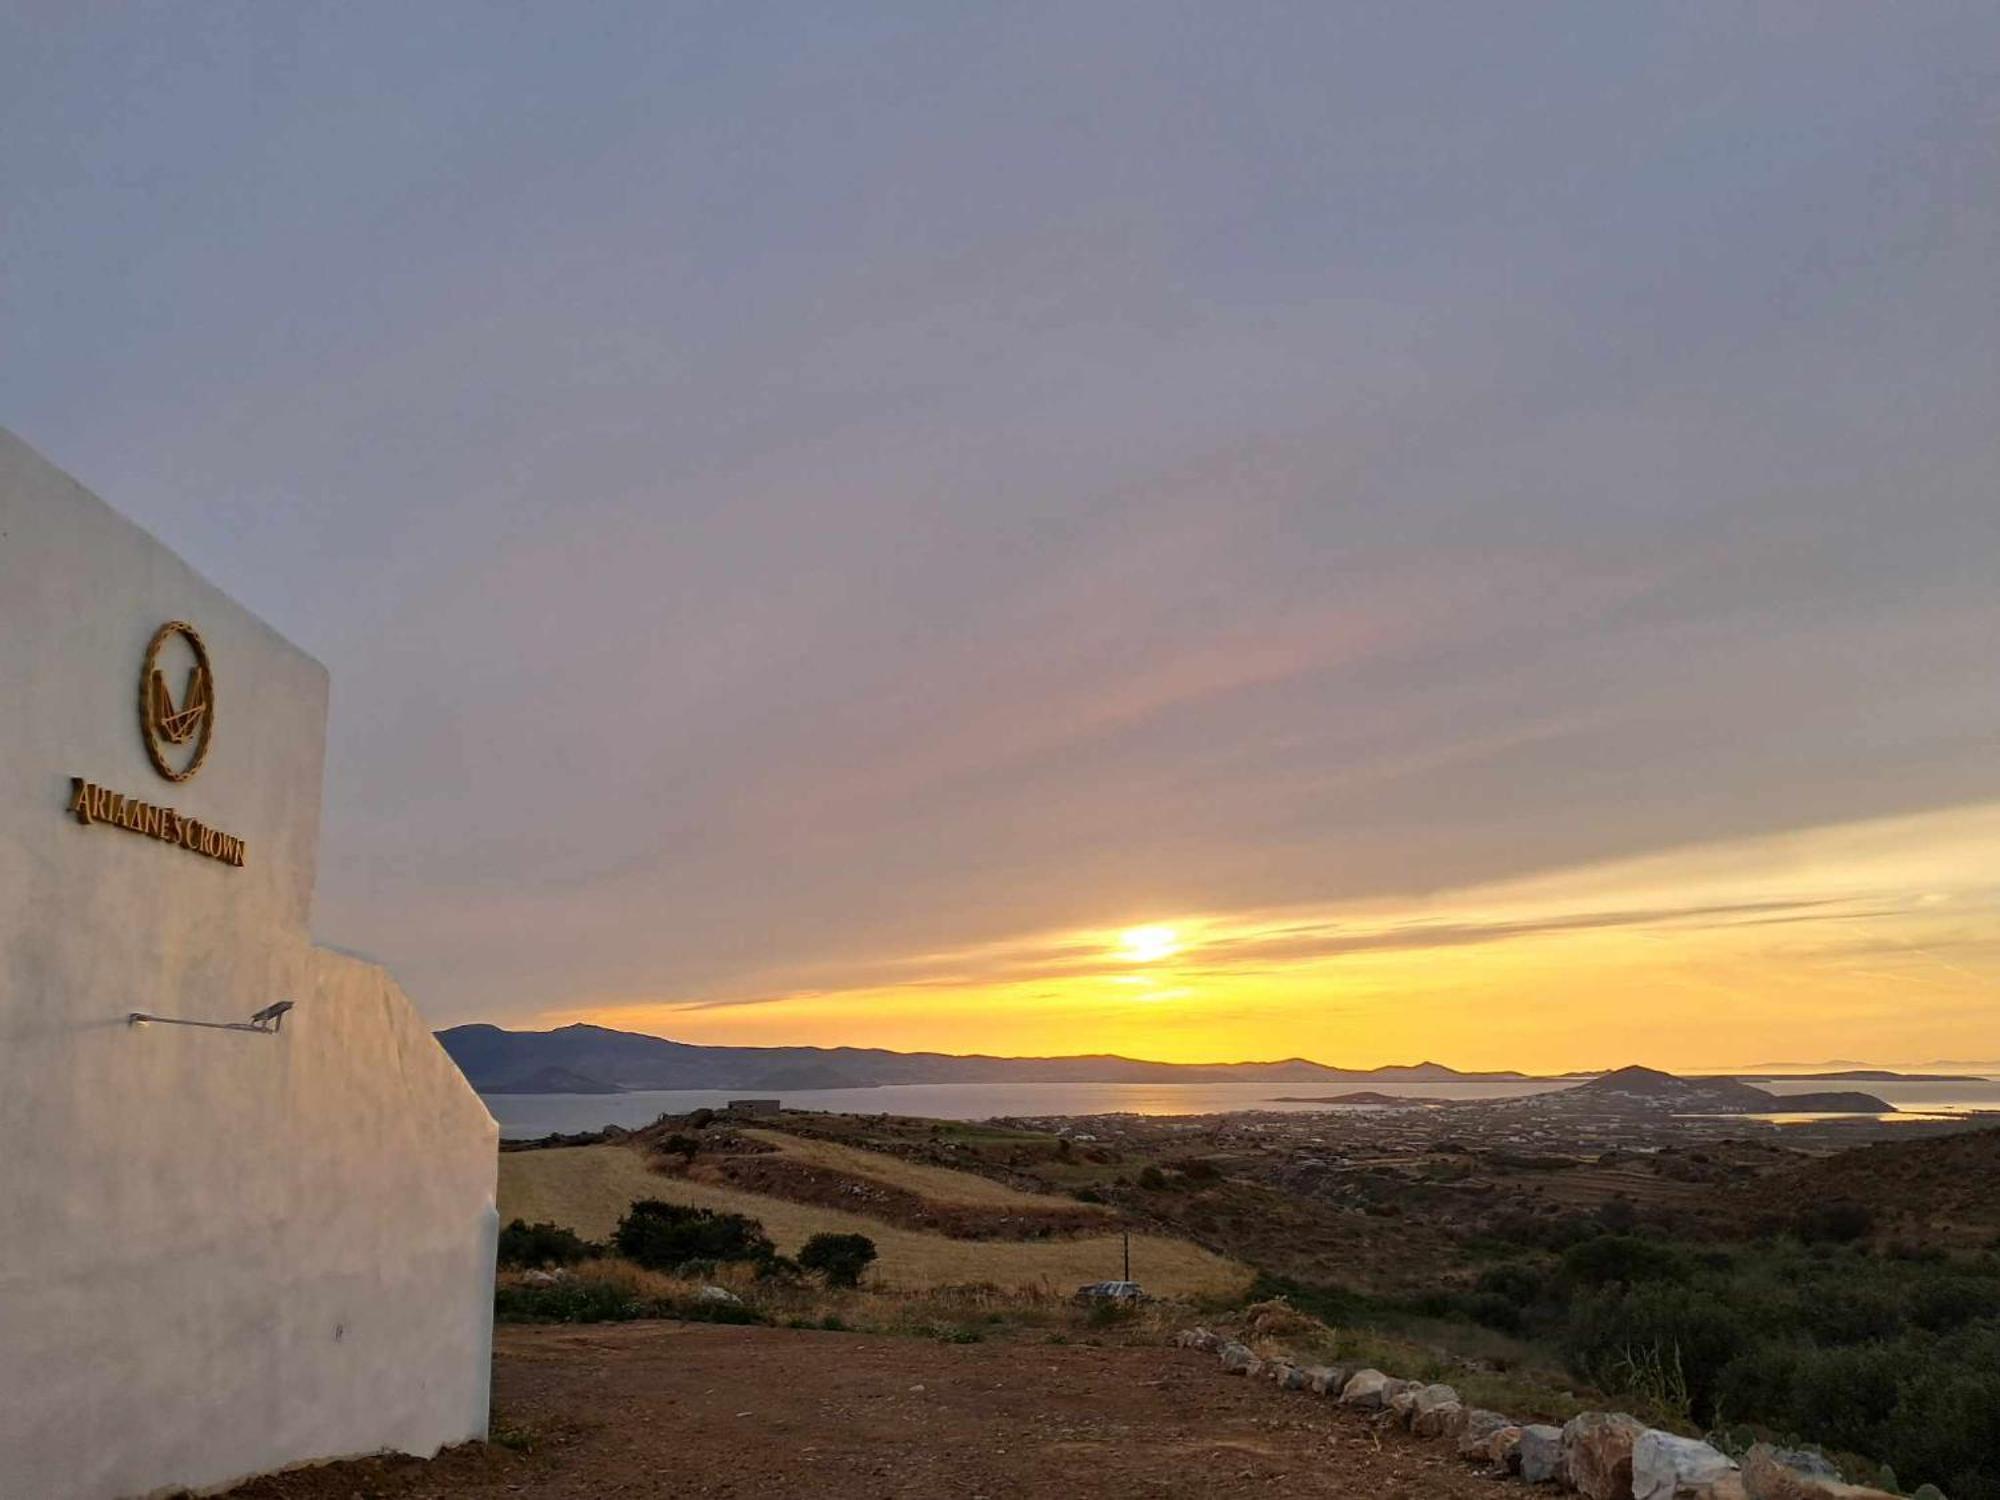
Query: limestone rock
{"x": 1503, "y": 1448}
{"x": 1286, "y": 1376}
{"x": 1237, "y": 1359}
{"x": 1435, "y": 1420}
{"x": 1473, "y": 1429}
{"x": 1198, "y": 1338}
{"x": 1597, "y": 1454}
{"x": 1540, "y": 1453}
{"x": 1366, "y": 1390}
{"x": 1328, "y": 1380}
{"x": 1768, "y": 1474}
{"x": 1806, "y": 1461}
{"x": 1426, "y": 1399}
{"x": 1664, "y": 1466}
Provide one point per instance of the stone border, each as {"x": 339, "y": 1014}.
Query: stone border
{"x": 1599, "y": 1455}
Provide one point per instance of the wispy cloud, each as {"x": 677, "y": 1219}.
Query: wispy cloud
{"x": 1887, "y": 923}
{"x": 845, "y": 508}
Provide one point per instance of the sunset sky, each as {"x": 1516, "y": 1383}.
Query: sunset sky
{"x": 1205, "y": 532}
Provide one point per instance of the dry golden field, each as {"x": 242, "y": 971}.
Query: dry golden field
{"x": 587, "y": 1188}
{"x": 938, "y": 1184}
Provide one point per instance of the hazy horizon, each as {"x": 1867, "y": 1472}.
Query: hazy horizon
{"x": 1171, "y": 530}
{"x": 1974, "y": 1067}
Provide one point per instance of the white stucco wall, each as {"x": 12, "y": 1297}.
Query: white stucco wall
{"x": 220, "y": 1253}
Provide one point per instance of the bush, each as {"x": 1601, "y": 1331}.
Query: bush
{"x": 1667, "y": 1342}
{"x": 779, "y": 1268}
{"x": 840, "y": 1258}
{"x": 589, "y": 1299}
{"x": 577, "y": 1300}
{"x": 526, "y": 1247}
{"x": 1617, "y": 1215}
{"x": 664, "y": 1236}
{"x": 1942, "y": 1303}
{"x": 1490, "y": 1310}
{"x": 1623, "y": 1259}
{"x": 1513, "y": 1280}
{"x": 1833, "y": 1223}
{"x": 1109, "y": 1313}
{"x": 1845, "y": 1397}
{"x": 1152, "y": 1179}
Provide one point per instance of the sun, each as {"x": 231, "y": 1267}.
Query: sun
{"x": 1144, "y": 945}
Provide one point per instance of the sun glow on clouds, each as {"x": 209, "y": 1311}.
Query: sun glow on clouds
{"x": 1878, "y": 939}
{"x": 1145, "y": 945}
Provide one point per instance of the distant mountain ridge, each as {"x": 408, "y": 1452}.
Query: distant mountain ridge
{"x": 592, "y": 1059}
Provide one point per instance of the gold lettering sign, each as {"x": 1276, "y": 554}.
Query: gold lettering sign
{"x": 90, "y": 803}
{"x": 166, "y": 724}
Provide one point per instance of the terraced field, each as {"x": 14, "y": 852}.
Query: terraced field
{"x": 939, "y": 1184}
{"x": 588, "y": 1188}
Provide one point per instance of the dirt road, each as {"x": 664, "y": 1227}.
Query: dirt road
{"x": 664, "y": 1409}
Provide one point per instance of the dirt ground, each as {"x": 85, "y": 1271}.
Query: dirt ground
{"x": 667, "y": 1409}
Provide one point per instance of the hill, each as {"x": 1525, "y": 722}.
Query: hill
{"x": 553, "y": 1080}
{"x": 1945, "y": 1190}
{"x": 496, "y": 1060}
{"x": 1649, "y": 1089}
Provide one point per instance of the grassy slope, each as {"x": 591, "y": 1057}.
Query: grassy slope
{"x": 939, "y": 1184}
{"x": 589, "y": 1187}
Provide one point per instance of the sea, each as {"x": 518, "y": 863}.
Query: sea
{"x": 524, "y": 1116}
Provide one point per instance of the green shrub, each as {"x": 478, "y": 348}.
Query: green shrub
{"x": 1845, "y": 1397}
{"x": 524, "y": 1246}
{"x": 591, "y": 1299}
{"x": 779, "y": 1268}
{"x": 1844, "y": 1314}
{"x": 1108, "y": 1313}
{"x": 577, "y": 1300}
{"x": 1943, "y": 1302}
{"x": 666, "y": 1236}
{"x": 1837, "y": 1223}
{"x": 1623, "y": 1259}
{"x": 1667, "y": 1342}
{"x": 1492, "y": 1310}
{"x": 840, "y": 1258}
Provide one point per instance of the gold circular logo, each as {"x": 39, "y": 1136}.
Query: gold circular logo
{"x": 168, "y": 725}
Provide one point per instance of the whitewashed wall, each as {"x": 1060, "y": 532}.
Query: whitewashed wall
{"x": 220, "y": 1253}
